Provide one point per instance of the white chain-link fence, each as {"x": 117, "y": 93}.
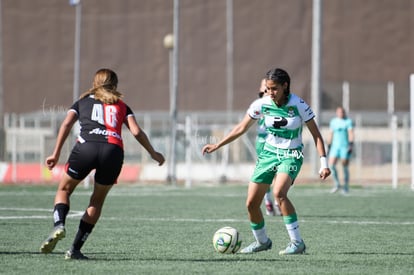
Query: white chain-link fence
{"x": 30, "y": 138}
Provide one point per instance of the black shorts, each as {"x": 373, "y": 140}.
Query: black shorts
{"x": 106, "y": 158}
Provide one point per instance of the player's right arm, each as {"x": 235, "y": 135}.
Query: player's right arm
{"x": 351, "y": 137}
{"x": 64, "y": 131}
{"x": 252, "y": 115}
{"x": 330, "y": 136}
{"x": 236, "y": 132}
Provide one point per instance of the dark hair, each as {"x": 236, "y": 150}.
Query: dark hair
{"x": 280, "y": 76}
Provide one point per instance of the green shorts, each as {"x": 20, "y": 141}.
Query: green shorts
{"x": 269, "y": 163}
{"x": 259, "y": 146}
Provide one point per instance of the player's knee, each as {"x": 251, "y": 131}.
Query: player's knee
{"x": 280, "y": 196}
{"x": 66, "y": 188}
{"x": 252, "y": 205}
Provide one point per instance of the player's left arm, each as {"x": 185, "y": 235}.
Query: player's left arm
{"x": 142, "y": 138}
{"x": 324, "y": 172}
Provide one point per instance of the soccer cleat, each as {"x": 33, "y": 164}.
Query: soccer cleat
{"x": 57, "y": 234}
{"x": 344, "y": 192}
{"x": 269, "y": 208}
{"x": 294, "y": 248}
{"x": 75, "y": 255}
{"x": 278, "y": 212}
{"x": 334, "y": 190}
{"x": 257, "y": 247}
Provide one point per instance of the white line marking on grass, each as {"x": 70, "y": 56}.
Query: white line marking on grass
{"x": 372, "y": 222}
{"x": 24, "y": 209}
{"x": 74, "y": 214}
{"x": 267, "y": 221}
{"x": 71, "y": 214}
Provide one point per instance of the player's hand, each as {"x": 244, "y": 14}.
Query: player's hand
{"x": 209, "y": 148}
{"x": 324, "y": 173}
{"x": 158, "y": 157}
{"x": 350, "y": 147}
{"x": 51, "y": 161}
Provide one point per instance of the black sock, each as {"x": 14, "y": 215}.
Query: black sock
{"x": 60, "y": 212}
{"x": 83, "y": 232}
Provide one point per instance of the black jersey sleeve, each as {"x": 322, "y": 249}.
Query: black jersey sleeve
{"x": 75, "y": 107}
{"x": 128, "y": 111}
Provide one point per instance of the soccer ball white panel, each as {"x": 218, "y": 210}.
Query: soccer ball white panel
{"x": 227, "y": 240}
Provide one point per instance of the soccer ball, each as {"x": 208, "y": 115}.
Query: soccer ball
{"x": 227, "y": 240}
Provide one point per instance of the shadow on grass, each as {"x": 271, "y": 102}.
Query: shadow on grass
{"x": 377, "y": 253}
{"x": 115, "y": 257}
{"x": 22, "y": 253}
{"x": 194, "y": 260}
{"x": 226, "y": 258}
{"x": 352, "y": 217}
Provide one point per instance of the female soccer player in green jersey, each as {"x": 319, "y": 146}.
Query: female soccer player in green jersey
{"x": 284, "y": 114}
{"x": 272, "y": 208}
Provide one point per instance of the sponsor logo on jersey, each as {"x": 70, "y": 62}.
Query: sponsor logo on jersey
{"x": 297, "y": 154}
{"x": 102, "y": 132}
{"x": 291, "y": 112}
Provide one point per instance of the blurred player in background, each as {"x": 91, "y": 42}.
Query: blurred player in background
{"x": 284, "y": 114}
{"x": 340, "y": 144}
{"x": 272, "y": 208}
{"x": 101, "y": 114}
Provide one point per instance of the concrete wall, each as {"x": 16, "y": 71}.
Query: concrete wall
{"x": 365, "y": 42}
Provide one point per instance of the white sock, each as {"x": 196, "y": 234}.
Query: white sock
{"x": 293, "y": 231}
{"x": 260, "y": 235}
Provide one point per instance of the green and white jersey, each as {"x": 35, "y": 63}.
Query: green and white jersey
{"x": 261, "y": 129}
{"x": 283, "y": 124}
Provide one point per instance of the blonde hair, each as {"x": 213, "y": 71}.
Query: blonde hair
{"x": 104, "y": 87}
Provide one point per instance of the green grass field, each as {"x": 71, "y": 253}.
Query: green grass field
{"x": 168, "y": 230}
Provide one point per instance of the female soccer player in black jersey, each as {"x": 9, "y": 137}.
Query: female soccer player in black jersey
{"x": 101, "y": 114}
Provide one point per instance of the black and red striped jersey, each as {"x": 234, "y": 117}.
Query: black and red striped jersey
{"x": 100, "y": 122}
